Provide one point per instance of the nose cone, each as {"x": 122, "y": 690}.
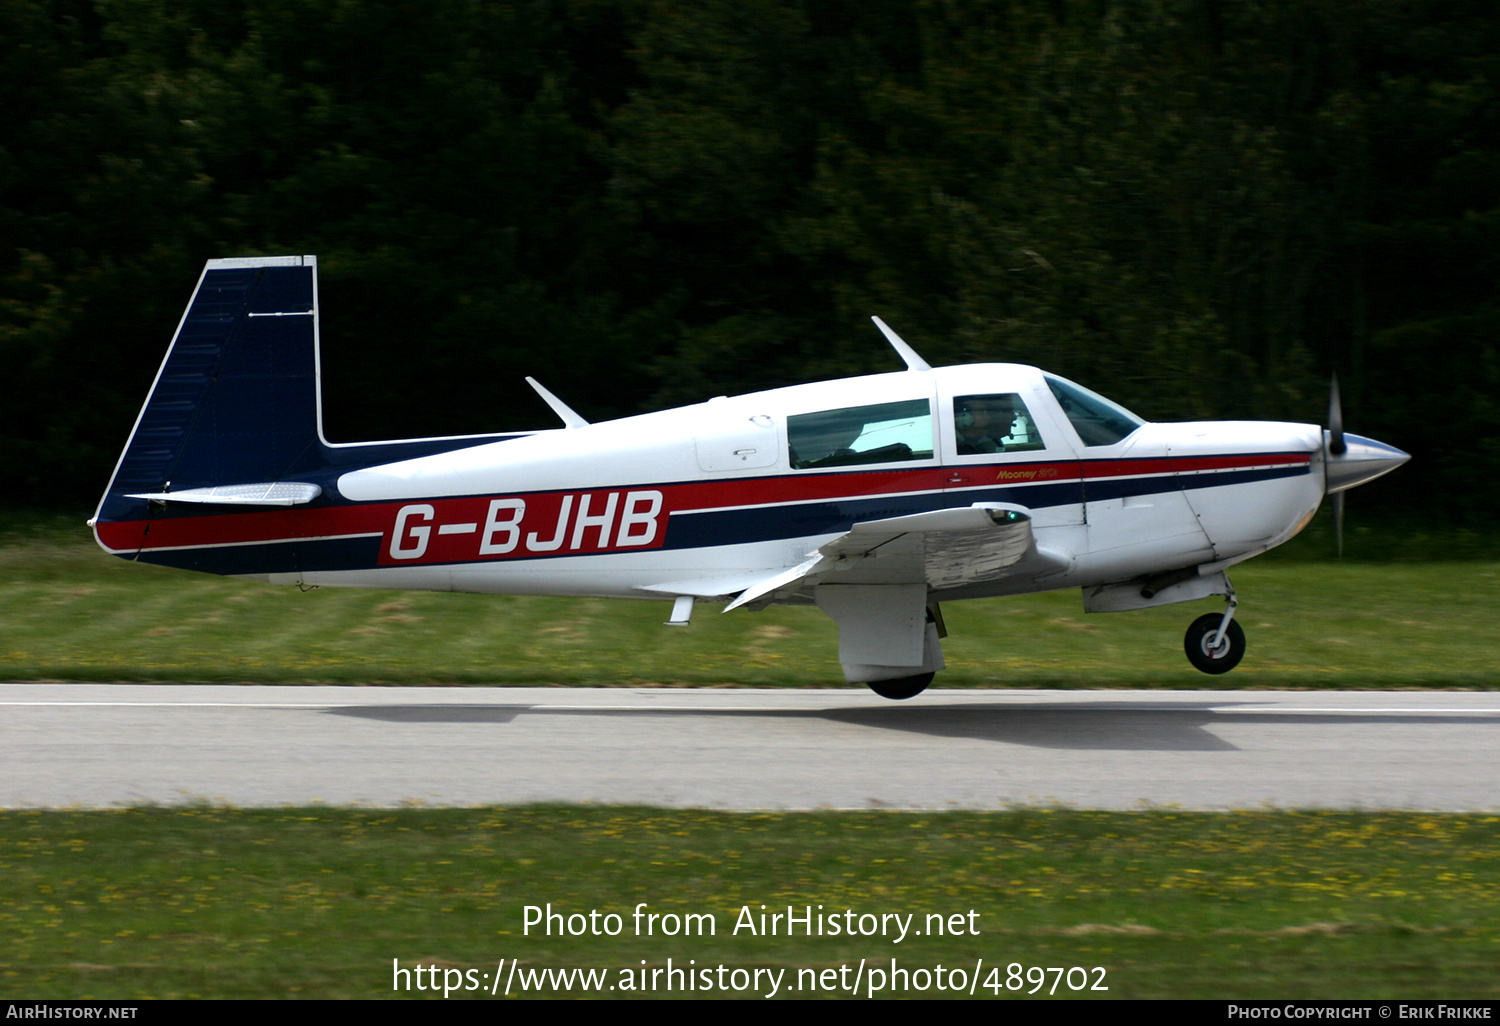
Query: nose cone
{"x": 1362, "y": 460}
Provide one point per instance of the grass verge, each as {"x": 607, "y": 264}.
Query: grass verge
{"x": 218, "y": 902}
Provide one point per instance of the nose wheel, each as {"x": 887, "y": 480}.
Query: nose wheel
{"x": 1210, "y": 652}
{"x": 1215, "y": 643}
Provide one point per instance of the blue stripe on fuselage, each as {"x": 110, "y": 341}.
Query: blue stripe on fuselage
{"x": 690, "y": 530}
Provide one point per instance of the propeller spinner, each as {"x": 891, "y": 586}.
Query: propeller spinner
{"x": 1351, "y": 460}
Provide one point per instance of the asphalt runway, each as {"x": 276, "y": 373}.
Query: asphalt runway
{"x": 101, "y": 745}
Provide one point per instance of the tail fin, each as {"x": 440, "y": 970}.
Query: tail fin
{"x": 232, "y": 435}
{"x": 233, "y": 416}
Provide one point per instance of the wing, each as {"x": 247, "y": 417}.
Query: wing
{"x": 940, "y": 549}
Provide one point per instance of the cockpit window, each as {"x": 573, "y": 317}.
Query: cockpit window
{"x": 884, "y": 433}
{"x": 993, "y": 423}
{"x": 1097, "y": 420}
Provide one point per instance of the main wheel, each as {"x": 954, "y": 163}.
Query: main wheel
{"x": 1209, "y": 659}
{"x": 902, "y": 687}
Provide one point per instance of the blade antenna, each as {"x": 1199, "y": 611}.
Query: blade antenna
{"x": 562, "y": 409}
{"x": 906, "y": 352}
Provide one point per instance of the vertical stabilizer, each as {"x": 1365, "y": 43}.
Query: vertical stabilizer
{"x": 236, "y": 399}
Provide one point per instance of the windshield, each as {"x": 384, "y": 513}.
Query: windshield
{"x": 1097, "y": 420}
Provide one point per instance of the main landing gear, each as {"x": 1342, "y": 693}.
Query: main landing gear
{"x": 902, "y": 687}
{"x": 1214, "y": 642}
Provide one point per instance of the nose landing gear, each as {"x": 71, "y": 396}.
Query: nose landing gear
{"x": 1214, "y": 642}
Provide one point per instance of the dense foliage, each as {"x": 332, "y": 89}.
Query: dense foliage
{"x": 1199, "y": 208}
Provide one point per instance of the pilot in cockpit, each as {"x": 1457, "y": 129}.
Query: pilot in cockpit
{"x": 993, "y": 423}
{"x": 983, "y": 423}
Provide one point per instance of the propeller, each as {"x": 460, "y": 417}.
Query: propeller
{"x": 1350, "y": 460}
{"x": 1336, "y": 447}
{"x": 1336, "y": 444}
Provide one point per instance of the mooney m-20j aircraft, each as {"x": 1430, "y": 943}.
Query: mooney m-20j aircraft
{"x": 875, "y": 498}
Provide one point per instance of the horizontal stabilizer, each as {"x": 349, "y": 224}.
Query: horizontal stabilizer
{"x": 270, "y": 493}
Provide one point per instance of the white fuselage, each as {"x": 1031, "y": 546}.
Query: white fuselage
{"x": 710, "y": 494}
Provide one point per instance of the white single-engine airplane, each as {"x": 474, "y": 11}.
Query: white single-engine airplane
{"x": 874, "y": 498}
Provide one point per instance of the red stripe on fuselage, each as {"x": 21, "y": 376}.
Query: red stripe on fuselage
{"x": 1189, "y": 464}
{"x": 685, "y": 497}
{"x": 244, "y": 528}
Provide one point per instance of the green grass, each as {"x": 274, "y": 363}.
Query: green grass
{"x": 70, "y": 612}
{"x": 216, "y": 902}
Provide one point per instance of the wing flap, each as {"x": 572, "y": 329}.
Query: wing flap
{"x": 942, "y": 548}
{"x": 720, "y": 586}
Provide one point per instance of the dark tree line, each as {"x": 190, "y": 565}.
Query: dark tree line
{"x": 1200, "y": 208}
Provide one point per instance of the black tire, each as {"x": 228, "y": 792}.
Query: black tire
{"x": 902, "y": 687}
{"x": 1226, "y": 657}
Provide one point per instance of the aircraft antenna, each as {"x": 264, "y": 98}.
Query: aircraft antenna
{"x": 562, "y": 409}
{"x": 906, "y": 352}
